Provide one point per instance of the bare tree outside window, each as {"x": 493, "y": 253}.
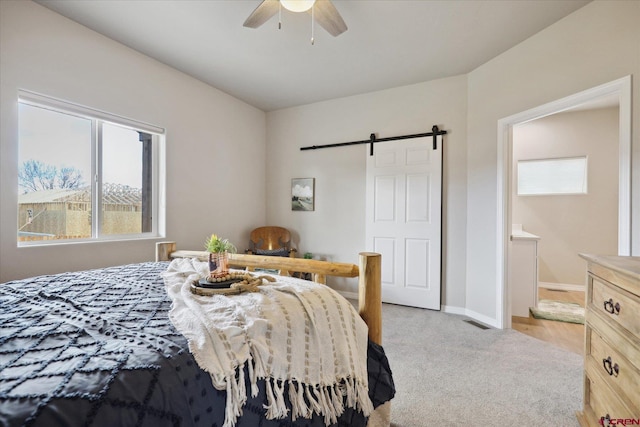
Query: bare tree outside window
{"x": 34, "y": 175}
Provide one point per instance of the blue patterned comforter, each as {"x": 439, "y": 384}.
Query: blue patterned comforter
{"x": 96, "y": 348}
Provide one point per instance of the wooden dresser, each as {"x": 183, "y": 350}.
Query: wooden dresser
{"x": 612, "y": 342}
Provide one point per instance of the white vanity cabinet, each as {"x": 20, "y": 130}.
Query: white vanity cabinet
{"x": 523, "y": 274}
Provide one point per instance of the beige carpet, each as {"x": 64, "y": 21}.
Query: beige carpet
{"x": 451, "y": 373}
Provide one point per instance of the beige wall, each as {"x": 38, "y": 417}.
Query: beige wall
{"x": 336, "y": 229}
{"x": 596, "y": 44}
{"x": 43, "y": 52}
{"x": 571, "y": 224}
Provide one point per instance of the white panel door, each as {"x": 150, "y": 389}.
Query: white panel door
{"x": 403, "y": 219}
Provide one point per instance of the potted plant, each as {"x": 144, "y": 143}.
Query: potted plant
{"x": 219, "y": 250}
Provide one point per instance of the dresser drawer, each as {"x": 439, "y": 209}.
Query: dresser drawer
{"x": 612, "y": 342}
{"x": 615, "y": 369}
{"x": 620, "y": 306}
{"x": 603, "y": 400}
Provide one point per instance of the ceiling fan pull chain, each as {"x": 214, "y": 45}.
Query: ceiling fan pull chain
{"x": 279, "y": 15}
{"x": 312, "y": 26}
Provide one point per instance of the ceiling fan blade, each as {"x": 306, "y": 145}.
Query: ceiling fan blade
{"x": 328, "y": 17}
{"x": 262, "y": 13}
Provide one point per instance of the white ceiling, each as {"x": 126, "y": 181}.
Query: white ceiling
{"x": 389, "y": 43}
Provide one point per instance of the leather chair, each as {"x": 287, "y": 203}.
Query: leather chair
{"x": 271, "y": 241}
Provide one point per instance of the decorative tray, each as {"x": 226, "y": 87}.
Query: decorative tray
{"x": 205, "y": 283}
{"x": 235, "y": 284}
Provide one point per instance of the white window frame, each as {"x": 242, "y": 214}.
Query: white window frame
{"x": 158, "y": 157}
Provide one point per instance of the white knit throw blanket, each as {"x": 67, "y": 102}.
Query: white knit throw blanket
{"x": 299, "y": 336}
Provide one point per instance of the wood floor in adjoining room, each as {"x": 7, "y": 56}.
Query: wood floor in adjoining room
{"x": 569, "y": 336}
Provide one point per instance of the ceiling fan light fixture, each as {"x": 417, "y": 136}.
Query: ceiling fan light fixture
{"x": 297, "y": 5}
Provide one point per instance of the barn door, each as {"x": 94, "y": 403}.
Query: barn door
{"x": 403, "y": 219}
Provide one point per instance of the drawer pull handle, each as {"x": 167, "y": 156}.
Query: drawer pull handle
{"x": 610, "y": 367}
{"x": 611, "y": 308}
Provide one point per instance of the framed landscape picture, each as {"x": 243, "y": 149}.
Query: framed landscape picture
{"x": 302, "y": 194}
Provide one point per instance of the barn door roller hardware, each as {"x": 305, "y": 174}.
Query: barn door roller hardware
{"x": 372, "y": 140}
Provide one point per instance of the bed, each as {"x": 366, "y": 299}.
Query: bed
{"x": 97, "y": 348}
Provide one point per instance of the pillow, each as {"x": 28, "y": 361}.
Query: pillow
{"x": 272, "y": 252}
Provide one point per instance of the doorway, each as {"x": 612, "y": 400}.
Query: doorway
{"x": 565, "y": 182}
{"x": 619, "y": 91}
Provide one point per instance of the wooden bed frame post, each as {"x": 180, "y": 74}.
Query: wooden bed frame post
{"x": 164, "y": 250}
{"x": 370, "y": 294}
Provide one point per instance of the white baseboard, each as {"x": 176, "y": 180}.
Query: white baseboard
{"x": 561, "y": 286}
{"x": 453, "y": 310}
{"x": 472, "y": 314}
{"x": 445, "y": 309}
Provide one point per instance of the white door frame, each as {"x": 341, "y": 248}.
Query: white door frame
{"x": 621, "y": 88}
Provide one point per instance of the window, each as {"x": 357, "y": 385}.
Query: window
{"x": 84, "y": 174}
{"x": 552, "y": 176}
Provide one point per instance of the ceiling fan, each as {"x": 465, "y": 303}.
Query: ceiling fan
{"x": 323, "y": 11}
